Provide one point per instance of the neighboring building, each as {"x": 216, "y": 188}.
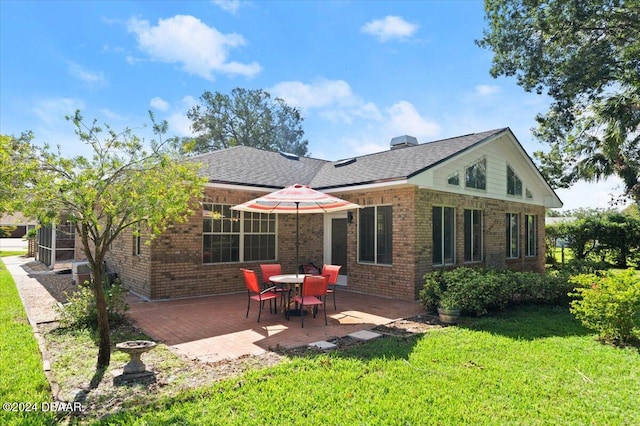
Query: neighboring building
{"x": 21, "y": 223}
{"x": 471, "y": 200}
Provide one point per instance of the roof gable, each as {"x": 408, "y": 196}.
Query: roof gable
{"x": 418, "y": 165}
{"x": 395, "y": 164}
{"x": 497, "y": 154}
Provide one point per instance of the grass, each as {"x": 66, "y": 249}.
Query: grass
{"x": 568, "y": 255}
{"x": 530, "y": 366}
{"x": 22, "y": 378}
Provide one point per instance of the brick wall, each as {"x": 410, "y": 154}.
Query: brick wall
{"x": 412, "y": 239}
{"x": 132, "y": 270}
{"x": 397, "y": 280}
{"x": 171, "y": 266}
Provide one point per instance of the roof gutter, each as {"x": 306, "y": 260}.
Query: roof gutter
{"x": 363, "y": 186}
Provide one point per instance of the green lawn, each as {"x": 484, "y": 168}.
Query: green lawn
{"x": 529, "y": 366}
{"x": 23, "y": 384}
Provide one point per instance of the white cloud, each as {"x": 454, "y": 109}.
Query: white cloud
{"x": 591, "y": 194}
{"x": 54, "y": 111}
{"x": 390, "y": 28}
{"x": 184, "y": 39}
{"x": 230, "y": 6}
{"x": 404, "y": 119}
{"x": 159, "y": 104}
{"x": 487, "y": 89}
{"x": 188, "y": 101}
{"x": 111, "y": 115}
{"x": 318, "y": 94}
{"x": 333, "y": 99}
{"x": 364, "y": 145}
{"x": 85, "y": 75}
{"x": 179, "y": 124}
{"x": 50, "y": 126}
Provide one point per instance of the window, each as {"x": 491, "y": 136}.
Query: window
{"x": 454, "y": 179}
{"x": 136, "y": 243}
{"x": 232, "y": 236}
{"x": 529, "y": 194}
{"x": 375, "y": 235}
{"x": 443, "y": 235}
{"x": 259, "y": 236}
{"x": 473, "y": 236}
{"x": 532, "y": 244}
{"x": 514, "y": 184}
{"x": 476, "y": 175}
{"x": 513, "y": 236}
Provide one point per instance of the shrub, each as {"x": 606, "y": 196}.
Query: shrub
{"x": 6, "y": 231}
{"x": 81, "y": 311}
{"x": 472, "y": 290}
{"x": 583, "y": 266}
{"x": 476, "y": 290}
{"x": 609, "y": 304}
{"x": 549, "y": 288}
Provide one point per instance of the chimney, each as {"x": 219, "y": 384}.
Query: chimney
{"x": 403, "y": 141}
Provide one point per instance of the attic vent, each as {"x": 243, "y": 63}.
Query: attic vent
{"x": 346, "y": 162}
{"x": 289, "y": 156}
{"x": 403, "y": 141}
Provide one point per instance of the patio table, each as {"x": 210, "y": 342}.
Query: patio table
{"x": 293, "y": 282}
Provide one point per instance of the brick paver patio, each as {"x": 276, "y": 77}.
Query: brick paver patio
{"x": 213, "y": 328}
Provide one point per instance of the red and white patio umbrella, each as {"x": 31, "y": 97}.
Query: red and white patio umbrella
{"x": 296, "y": 199}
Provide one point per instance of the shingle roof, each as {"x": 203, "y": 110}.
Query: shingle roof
{"x": 243, "y": 165}
{"x": 395, "y": 164}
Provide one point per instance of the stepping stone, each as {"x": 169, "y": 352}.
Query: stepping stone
{"x": 323, "y": 345}
{"x": 364, "y": 335}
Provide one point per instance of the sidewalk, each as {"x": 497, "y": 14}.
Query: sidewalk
{"x": 37, "y": 301}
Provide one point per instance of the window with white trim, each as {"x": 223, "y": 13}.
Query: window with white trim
{"x": 454, "y": 179}
{"x": 233, "y": 236}
{"x": 513, "y": 235}
{"x": 531, "y": 222}
{"x": 529, "y": 194}
{"x": 443, "y": 230}
{"x": 476, "y": 175}
{"x": 375, "y": 235}
{"x": 514, "y": 183}
{"x": 472, "y": 235}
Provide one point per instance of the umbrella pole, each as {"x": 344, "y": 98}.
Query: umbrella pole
{"x": 297, "y": 239}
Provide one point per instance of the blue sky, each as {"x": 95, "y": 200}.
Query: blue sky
{"x": 361, "y": 72}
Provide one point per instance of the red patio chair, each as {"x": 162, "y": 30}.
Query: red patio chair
{"x": 254, "y": 292}
{"x": 268, "y": 270}
{"x": 313, "y": 293}
{"x": 332, "y": 272}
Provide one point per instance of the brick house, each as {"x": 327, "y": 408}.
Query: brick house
{"x": 476, "y": 199}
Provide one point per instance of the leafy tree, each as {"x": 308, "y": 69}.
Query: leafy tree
{"x": 619, "y": 238}
{"x": 603, "y": 235}
{"x": 632, "y": 210}
{"x": 586, "y": 55}
{"x": 122, "y": 185}
{"x": 246, "y": 117}
{"x": 17, "y": 165}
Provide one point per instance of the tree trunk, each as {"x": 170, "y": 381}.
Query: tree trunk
{"x": 104, "y": 347}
